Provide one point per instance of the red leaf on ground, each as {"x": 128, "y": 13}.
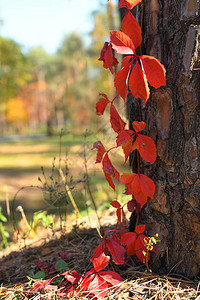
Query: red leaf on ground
{"x": 111, "y": 277}
{"x": 154, "y": 71}
{"x": 98, "y": 283}
{"x": 116, "y": 122}
{"x": 98, "y": 287}
{"x": 121, "y": 42}
{"x": 100, "y": 151}
{"x": 101, "y": 262}
{"x": 131, "y": 27}
{"x": 138, "y": 83}
{"x": 63, "y": 255}
{"x": 107, "y": 56}
{"x": 101, "y": 104}
{"x": 85, "y": 282}
{"x": 72, "y": 276}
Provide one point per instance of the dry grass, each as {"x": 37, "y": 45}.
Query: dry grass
{"x": 79, "y": 240}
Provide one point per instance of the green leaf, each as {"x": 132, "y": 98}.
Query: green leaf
{"x": 3, "y": 218}
{"x": 61, "y": 265}
{"x": 39, "y": 275}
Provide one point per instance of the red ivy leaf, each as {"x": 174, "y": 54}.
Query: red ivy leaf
{"x": 72, "y": 276}
{"x": 139, "y": 185}
{"x": 129, "y": 239}
{"x": 154, "y": 71}
{"x": 98, "y": 251}
{"x": 119, "y": 215}
{"x": 115, "y": 204}
{"x": 117, "y": 250}
{"x": 131, "y": 205}
{"x": 89, "y": 276}
{"x": 101, "y": 104}
{"x": 111, "y": 277}
{"x": 109, "y": 61}
{"x": 146, "y": 147}
{"x": 121, "y": 42}
{"x": 123, "y": 136}
{"x": 110, "y": 171}
{"x": 127, "y": 148}
{"x": 98, "y": 283}
{"x": 121, "y": 78}
{"x": 125, "y": 139}
{"x": 138, "y": 126}
{"x": 101, "y": 262}
{"x": 116, "y": 122}
{"x": 138, "y": 83}
{"x": 140, "y": 229}
{"x": 98, "y": 287}
{"x": 129, "y": 4}
{"x": 131, "y": 27}
{"x": 100, "y": 150}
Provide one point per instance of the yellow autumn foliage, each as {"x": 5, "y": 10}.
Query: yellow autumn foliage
{"x": 16, "y": 111}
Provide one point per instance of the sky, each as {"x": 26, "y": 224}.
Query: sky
{"x": 44, "y": 23}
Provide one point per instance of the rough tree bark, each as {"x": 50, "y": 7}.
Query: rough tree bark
{"x": 171, "y": 33}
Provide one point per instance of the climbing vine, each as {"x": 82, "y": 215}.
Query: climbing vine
{"x": 135, "y": 75}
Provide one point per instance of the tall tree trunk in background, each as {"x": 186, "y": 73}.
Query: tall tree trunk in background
{"x": 171, "y": 33}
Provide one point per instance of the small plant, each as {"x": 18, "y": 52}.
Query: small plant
{"x": 42, "y": 218}
{"x": 3, "y": 231}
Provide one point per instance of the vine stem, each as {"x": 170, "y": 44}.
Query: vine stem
{"x": 114, "y": 98}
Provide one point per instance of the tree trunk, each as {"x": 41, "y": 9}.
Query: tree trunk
{"x": 171, "y": 33}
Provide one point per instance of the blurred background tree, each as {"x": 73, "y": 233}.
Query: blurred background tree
{"x": 54, "y": 91}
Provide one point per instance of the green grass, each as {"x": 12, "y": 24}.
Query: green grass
{"x": 21, "y": 162}
{"x": 20, "y": 166}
